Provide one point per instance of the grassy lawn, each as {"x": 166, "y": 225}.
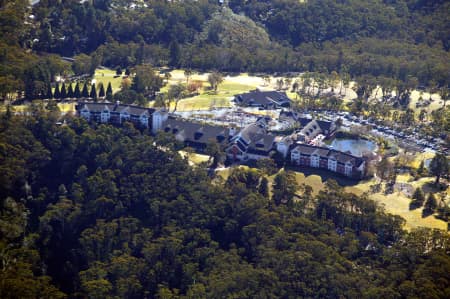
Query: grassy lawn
{"x": 225, "y": 172}
{"x": 208, "y": 98}
{"x": 419, "y": 157}
{"x": 106, "y": 75}
{"x": 16, "y": 108}
{"x": 314, "y": 181}
{"x": 66, "y": 107}
{"x": 398, "y": 204}
{"x": 435, "y": 104}
{"x": 194, "y": 158}
{"x": 231, "y": 86}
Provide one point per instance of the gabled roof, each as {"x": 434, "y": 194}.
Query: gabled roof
{"x": 312, "y": 129}
{"x": 263, "y": 142}
{"x": 326, "y": 153}
{"x": 263, "y": 98}
{"x": 254, "y": 137}
{"x": 324, "y": 124}
{"x": 195, "y": 132}
{"x": 251, "y": 132}
{"x": 95, "y": 107}
{"x": 304, "y": 121}
{"x": 118, "y": 108}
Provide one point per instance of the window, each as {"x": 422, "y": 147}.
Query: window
{"x": 315, "y": 160}
{"x": 348, "y": 168}
{"x": 332, "y": 164}
{"x": 125, "y": 115}
{"x": 104, "y": 116}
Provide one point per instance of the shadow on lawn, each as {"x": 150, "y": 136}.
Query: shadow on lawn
{"x": 415, "y": 204}
{"x": 325, "y": 175}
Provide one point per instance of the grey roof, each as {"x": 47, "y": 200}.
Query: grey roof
{"x": 255, "y": 137}
{"x": 251, "y": 132}
{"x": 95, "y": 107}
{"x": 304, "y": 121}
{"x": 263, "y": 142}
{"x": 133, "y": 110}
{"x": 312, "y": 129}
{"x": 264, "y": 98}
{"x": 295, "y": 116}
{"x": 324, "y": 125}
{"x": 195, "y": 132}
{"x": 119, "y": 108}
{"x": 324, "y": 152}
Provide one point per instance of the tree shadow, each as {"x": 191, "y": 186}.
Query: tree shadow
{"x": 431, "y": 187}
{"x": 414, "y": 204}
{"x": 426, "y": 213}
{"x": 325, "y": 175}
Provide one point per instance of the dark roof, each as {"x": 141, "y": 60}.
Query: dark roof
{"x": 134, "y": 110}
{"x": 291, "y": 114}
{"x": 251, "y": 132}
{"x": 340, "y": 157}
{"x": 263, "y": 98}
{"x": 304, "y": 121}
{"x": 95, "y": 107}
{"x": 195, "y": 132}
{"x": 255, "y": 137}
{"x": 263, "y": 142}
{"x": 98, "y": 107}
{"x": 324, "y": 125}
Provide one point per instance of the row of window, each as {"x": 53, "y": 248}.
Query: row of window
{"x": 332, "y": 163}
{"x": 105, "y": 116}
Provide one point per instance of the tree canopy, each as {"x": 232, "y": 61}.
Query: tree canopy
{"x": 105, "y": 211}
{"x": 404, "y": 41}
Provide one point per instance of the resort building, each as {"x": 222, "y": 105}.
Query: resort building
{"x": 115, "y": 113}
{"x": 263, "y": 99}
{"x": 197, "y": 135}
{"x": 251, "y": 143}
{"x": 332, "y": 160}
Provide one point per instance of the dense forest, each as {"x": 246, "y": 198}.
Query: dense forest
{"x": 394, "y": 40}
{"x": 108, "y": 212}
{"x": 98, "y": 211}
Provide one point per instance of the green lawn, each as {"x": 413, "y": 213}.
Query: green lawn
{"x": 314, "y": 181}
{"x": 105, "y": 76}
{"x": 398, "y": 204}
{"x": 208, "y": 98}
{"x": 435, "y": 100}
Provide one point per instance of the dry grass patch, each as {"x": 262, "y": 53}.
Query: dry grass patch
{"x": 435, "y": 101}
{"x": 398, "y": 204}
{"x": 225, "y": 172}
{"x": 194, "y": 158}
{"x": 209, "y": 99}
{"x": 419, "y": 157}
{"x": 67, "y": 107}
{"x": 105, "y": 76}
{"x": 314, "y": 181}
